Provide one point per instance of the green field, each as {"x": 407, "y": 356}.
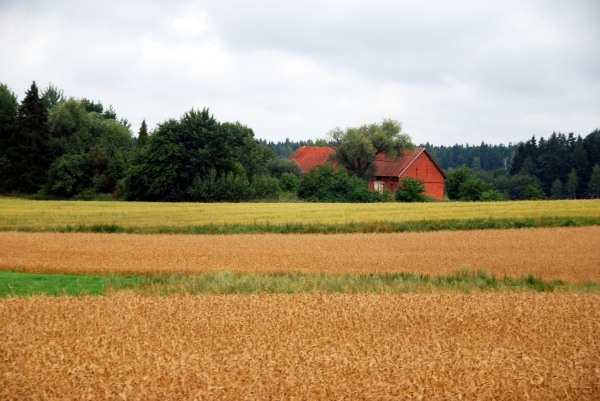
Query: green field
{"x": 20, "y": 214}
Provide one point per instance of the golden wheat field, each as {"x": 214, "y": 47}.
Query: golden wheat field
{"x": 310, "y": 346}
{"x": 16, "y": 213}
{"x": 570, "y": 253}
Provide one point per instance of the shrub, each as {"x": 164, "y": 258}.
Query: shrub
{"x": 410, "y": 190}
{"x": 492, "y": 196}
{"x": 324, "y": 184}
{"x": 473, "y": 188}
{"x": 289, "y": 182}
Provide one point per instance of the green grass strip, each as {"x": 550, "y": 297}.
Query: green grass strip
{"x": 324, "y": 228}
{"x": 19, "y": 284}
{"x": 464, "y": 281}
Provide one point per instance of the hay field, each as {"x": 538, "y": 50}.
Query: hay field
{"x": 311, "y": 346}
{"x": 15, "y": 213}
{"x": 569, "y": 253}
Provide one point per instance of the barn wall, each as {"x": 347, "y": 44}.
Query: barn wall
{"x": 390, "y": 183}
{"x": 425, "y": 169}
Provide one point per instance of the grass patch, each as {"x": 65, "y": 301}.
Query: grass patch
{"x": 19, "y": 284}
{"x": 464, "y": 281}
{"x": 324, "y": 228}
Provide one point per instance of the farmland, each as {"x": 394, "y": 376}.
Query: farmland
{"x": 306, "y": 316}
{"x": 310, "y": 346}
{"x": 569, "y": 253}
{"x": 16, "y": 214}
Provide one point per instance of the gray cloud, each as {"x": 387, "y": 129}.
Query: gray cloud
{"x": 461, "y": 71}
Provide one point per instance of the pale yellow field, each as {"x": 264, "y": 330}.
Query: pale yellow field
{"x": 39, "y": 214}
{"x": 310, "y": 346}
{"x": 565, "y": 253}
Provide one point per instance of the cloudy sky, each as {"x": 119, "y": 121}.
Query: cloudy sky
{"x": 461, "y": 71}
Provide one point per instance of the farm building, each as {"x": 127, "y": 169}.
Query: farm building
{"x": 417, "y": 164}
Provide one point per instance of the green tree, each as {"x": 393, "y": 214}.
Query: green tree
{"x": 455, "y": 178}
{"x": 247, "y": 150}
{"x": 68, "y": 175}
{"x": 289, "y": 182}
{"x": 142, "y": 135}
{"x": 357, "y": 148}
{"x": 533, "y": 193}
{"x": 277, "y": 167}
{"x": 557, "y": 191}
{"x": 8, "y": 116}
{"x": 473, "y": 188}
{"x": 594, "y": 184}
{"x": 52, "y": 96}
{"x": 179, "y": 153}
{"x": 29, "y": 152}
{"x": 572, "y": 184}
{"x": 410, "y": 190}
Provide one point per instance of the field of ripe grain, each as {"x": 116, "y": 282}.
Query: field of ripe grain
{"x": 554, "y": 253}
{"x": 310, "y": 346}
{"x": 15, "y": 213}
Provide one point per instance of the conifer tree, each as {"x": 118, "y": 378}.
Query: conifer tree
{"x": 142, "y": 135}
{"x": 572, "y": 184}
{"x": 29, "y": 153}
{"x": 557, "y": 190}
{"x": 594, "y": 185}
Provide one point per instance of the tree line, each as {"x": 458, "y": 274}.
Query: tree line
{"x": 58, "y": 147}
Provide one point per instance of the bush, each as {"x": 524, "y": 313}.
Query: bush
{"x": 264, "y": 187}
{"x": 289, "y": 182}
{"x": 492, "y": 196}
{"x": 324, "y": 184}
{"x": 410, "y": 190}
{"x": 473, "y": 188}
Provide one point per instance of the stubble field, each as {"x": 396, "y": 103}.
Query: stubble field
{"x": 552, "y": 253}
{"x": 311, "y": 346}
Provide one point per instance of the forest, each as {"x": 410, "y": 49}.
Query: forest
{"x": 58, "y": 147}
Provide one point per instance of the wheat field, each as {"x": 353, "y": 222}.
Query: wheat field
{"x": 310, "y": 346}
{"x": 569, "y": 253}
{"x": 15, "y": 213}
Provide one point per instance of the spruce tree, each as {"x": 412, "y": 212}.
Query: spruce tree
{"x": 594, "y": 185}
{"x": 572, "y": 184}
{"x": 8, "y": 114}
{"x": 142, "y": 135}
{"x": 29, "y": 153}
{"x": 557, "y": 190}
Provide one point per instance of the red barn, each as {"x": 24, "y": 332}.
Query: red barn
{"x": 417, "y": 164}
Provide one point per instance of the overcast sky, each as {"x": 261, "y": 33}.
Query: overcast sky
{"x": 450, "y": 71}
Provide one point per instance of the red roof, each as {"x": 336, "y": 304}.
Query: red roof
{"x": 395, "y": 167}
{"x": 309, "y": 156}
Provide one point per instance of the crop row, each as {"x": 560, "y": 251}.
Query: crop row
{"x": 553, "y": 253}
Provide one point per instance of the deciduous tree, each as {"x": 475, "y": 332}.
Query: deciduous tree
{"x": 357, "y": 148}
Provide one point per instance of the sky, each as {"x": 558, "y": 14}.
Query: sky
{"x": 460, "y": 71}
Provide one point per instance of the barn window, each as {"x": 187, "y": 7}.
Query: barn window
{"x": 378, "y": 185}
{"x": 391, "y": 185}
